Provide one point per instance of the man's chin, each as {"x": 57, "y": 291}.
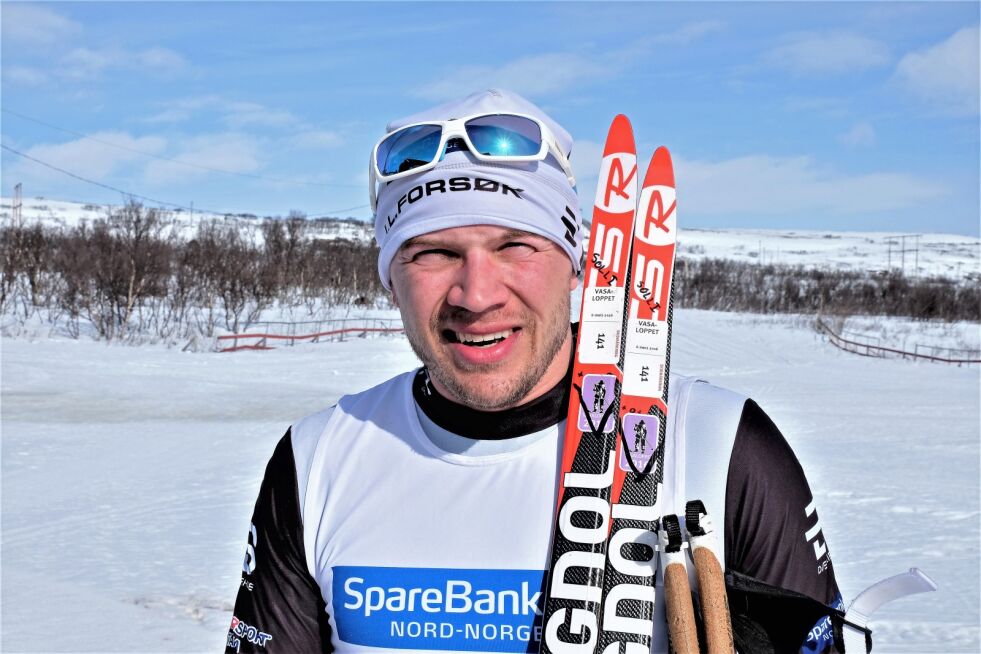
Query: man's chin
{"x": 484, "y": 392}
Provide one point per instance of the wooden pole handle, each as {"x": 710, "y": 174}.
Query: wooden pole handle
{"x": 714, "y": 601}
{"x": 679, "y": 609}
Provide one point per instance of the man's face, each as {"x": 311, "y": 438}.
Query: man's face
{"x": 486, "y": 309}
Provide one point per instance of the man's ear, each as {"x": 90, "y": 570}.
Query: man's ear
{"x": 395, "y": 299}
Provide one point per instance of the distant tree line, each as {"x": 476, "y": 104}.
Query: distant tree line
{"x": 727, "y": 285}
{"x": 132, "y": 274}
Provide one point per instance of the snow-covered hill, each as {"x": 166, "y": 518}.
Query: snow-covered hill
{"x": 62, "y": 213}
{"x": 948, "y": 255}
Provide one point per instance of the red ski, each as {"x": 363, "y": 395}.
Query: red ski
{"x": 589, "y": 461}
{"x": 632, "y": 561}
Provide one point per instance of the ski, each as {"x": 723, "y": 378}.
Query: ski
{"x": 629, "y": 579}
{"x": 578, "y": 558}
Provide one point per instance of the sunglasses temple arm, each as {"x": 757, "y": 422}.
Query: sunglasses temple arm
{"x": 564, "y": 162}
{"x": 372, "y": 182}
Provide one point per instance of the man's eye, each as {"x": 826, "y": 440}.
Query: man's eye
{"x": 518, "y": 247}
{"x": 432, "y": 254}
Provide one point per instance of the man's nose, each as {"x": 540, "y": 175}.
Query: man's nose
{"x": 479, "y": 284}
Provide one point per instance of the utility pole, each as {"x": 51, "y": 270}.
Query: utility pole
{"x": 902, "y": 254}
{"x": 891, "y": 240}
{"x": 18, "y": 204}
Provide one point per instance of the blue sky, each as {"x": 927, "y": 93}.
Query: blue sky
{"x": 788, "y": 115}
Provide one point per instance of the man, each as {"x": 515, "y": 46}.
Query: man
{"x": 417, "y": 515}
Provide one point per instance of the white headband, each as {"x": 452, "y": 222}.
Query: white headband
{"x": 534, "y": 197}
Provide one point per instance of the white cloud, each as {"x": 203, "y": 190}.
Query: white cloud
{"x": 769, "y": 185}
{"x": 234, "y": 114}
{"x": 83, "y": 63}
{"x": 830, "y": 107}
{"x": 33, "y": 26}
{"x": 241, "y": 114}
{"x": 183, "y": 109}
{"x": 946, "y": 74}
{"x": 315, "y": 139}
{"x": 160, "y": 58}
{"x": 810, "y": 53}
{"x": 534, "y": 75}
{"x": 174, "y": 115}
{"x": 86, "y": 63}
{"x": 689, "y": 32}
{"x": 227, "y": 151}
{"x": 539, "y": 75}
{"x": 88, "y": 158}
{"x": 861, "y": 134}
{"x": 24, "y": 75}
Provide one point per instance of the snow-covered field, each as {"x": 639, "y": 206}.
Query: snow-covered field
{"x": 67, "y": 214}
{"x": 949, "y": 255}
{"x": 129, "y": 473}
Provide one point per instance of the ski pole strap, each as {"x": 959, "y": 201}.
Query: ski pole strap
{"x": 856, "y": 635}
{"x": 694, "y": 510}
{"x": 672, "y": 527}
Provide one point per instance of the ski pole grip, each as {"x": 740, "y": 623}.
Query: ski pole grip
{"x": 711, "y": 579}
{"x": 715, "y": 603}
{"x": 677, "y": 591}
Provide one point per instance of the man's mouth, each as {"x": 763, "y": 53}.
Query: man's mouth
{"x": 477, "y": 340}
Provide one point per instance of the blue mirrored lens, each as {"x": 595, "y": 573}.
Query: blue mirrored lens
{"x": 408, "y": 148}
{"x": 505, "y": 136}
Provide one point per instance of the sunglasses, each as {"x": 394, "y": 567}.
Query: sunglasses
{"x": 498, "y": 138}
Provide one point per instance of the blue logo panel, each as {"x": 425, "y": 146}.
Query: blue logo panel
{"x": 439, "y": 608}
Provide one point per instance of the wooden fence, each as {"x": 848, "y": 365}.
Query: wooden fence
{"x": 291, "y": 333}
{"x": 871, "y": 348}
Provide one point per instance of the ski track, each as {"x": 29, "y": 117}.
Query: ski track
{"x": 129, "y": 473}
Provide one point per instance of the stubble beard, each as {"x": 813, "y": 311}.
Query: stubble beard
{"x": 462, "y": 381}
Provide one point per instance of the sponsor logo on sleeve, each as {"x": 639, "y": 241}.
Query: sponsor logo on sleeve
{"x": 438, "y": 608}
{"x": 816, "y": 538}
{"x": 240, "y": 631}
{"x": 248, "y": 565}
{"x": 820, "y": 639}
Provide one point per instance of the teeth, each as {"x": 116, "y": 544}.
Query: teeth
{"x": 477, "y": 339}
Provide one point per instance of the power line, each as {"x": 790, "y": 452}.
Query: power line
{"x": 177, "y": 161}
{"x": 93, "y": 182}
{"x": 333, "y": 214}
{"x": 128, "y": 193}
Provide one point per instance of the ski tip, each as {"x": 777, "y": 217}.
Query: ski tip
{"x": 661, "y": 171}
{"x": 620, "y": 137}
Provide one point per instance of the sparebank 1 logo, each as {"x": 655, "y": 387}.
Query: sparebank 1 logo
{"x": 248, "y": 565}
{"x": 438, "y": 608}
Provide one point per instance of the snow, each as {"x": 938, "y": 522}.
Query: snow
{"x": 68, "y": 214}
{"x": 947, "y": 255}
{"x": 129, "y": 473}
